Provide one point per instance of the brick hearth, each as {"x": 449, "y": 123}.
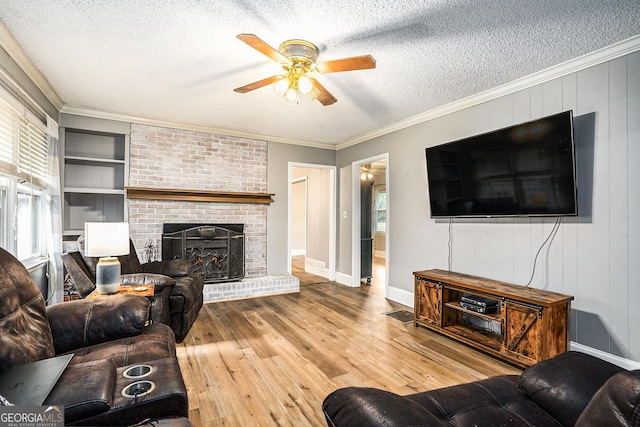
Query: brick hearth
{"x": 251, "y": 287}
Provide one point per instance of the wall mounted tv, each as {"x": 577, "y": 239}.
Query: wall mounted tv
{"x": 522, "y": 170}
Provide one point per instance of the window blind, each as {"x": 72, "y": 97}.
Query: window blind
{"x": 32, "y": 153}
{"x": 8, "y": 138}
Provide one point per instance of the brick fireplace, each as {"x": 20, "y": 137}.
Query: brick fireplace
{"x": 184, "y": 159}
{"x": 165, "y": 158}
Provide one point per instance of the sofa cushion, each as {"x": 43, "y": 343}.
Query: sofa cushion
{"x": 25, "y": 335}
{"x": 360, "y": 406}
{"x": 564, "y": 385}
{"x": 617, "y": 403}
{"x": 493, "y": 401}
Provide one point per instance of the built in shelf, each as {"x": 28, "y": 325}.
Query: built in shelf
{"x": 197, "y": 195}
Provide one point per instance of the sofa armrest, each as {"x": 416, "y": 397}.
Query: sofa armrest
{"x": 158, "y": 280}
{"x": 360, "y": 406}
{"x": 172, "y": 267}
{"x": 85, "y": 389}
{"x": 615, "y": 404}
{"x": 81, "y": 323}
{"x": 564, "y": 385}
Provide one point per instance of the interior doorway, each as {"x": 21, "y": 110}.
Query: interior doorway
{"x": 312, "y": 220}
{"x": 370, "y": 233}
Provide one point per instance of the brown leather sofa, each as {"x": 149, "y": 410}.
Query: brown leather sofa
{"x": 179, "y": 293}
{"x": 571, "y": 389}
{"x": 106, "y": 336}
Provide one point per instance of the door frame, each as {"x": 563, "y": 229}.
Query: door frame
{"x": 355, "y": 223}
{"x": 331, "y": 212}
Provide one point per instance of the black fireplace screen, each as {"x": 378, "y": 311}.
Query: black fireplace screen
{"x": 216, "y": 251}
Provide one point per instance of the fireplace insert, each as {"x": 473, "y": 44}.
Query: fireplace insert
{"x": 215, "y": 250}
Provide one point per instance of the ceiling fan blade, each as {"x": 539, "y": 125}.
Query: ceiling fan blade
{"x": 262, "y": 47}
{"x": 322, "y": 94}
{"x": 258, "y": 84}
{"x": 347, "y": 64}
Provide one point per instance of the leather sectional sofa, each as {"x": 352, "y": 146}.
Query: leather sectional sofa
{"x": 571, "y": 389}
{"x": 179, "y": 292}
{"x": 107, "y": 337}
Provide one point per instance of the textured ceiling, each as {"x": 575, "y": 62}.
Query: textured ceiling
{"x": 179, "y": 60}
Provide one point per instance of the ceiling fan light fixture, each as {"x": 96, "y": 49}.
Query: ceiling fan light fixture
{"x": 304, "y": 84}
{"x": 291, "y": 94}
{"x": 299, "y": 57}
{"x": 282, "y": 86}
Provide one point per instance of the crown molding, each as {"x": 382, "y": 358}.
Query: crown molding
{"x": 15, "y": 51}
{"x": 600, "y": 56}
{"x": 101, "y": 114}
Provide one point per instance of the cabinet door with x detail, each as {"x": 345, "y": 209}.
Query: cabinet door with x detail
{"x": 522, "y": 331}
{"x": 428, "y": 302}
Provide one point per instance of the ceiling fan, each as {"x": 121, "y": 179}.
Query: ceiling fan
{"x": 298, "y": 58}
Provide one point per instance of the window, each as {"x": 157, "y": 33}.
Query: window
{"x": 23, "y": 179}
{"x": 380, "y": 209}
{"x": 28, "y": 218}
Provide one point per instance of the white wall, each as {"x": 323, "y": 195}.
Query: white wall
{"x": 594, "y": 257}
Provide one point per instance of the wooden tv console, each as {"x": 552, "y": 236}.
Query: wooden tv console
{"x": 529, "y": 325}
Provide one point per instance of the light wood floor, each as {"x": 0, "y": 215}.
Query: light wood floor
{"x": 271, "y": 361}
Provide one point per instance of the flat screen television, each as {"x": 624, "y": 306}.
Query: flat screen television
{"x": 522, "y": 170}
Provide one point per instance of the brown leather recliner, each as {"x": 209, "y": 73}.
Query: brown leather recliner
{"x": 106, "y": 337}
{"x": 185, "y": 296}
{"x": 83, "y": 280}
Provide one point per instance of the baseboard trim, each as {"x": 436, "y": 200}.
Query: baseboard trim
{"x": 401, "y": 296}
{"x": 344, "y": 279}
{"x": 611, "y": 358}
{"x": 319, "y": 268}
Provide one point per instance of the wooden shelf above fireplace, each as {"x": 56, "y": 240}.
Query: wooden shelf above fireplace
{"x": 197, "y": 195}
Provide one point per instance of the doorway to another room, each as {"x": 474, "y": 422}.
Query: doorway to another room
{"x": 312, "y": 222}
{"x": 370, "y": 225}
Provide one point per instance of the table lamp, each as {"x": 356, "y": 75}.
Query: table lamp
{"x": 107, "y": 240}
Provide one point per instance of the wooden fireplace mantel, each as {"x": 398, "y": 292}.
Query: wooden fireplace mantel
{"x": 197, "y": 195}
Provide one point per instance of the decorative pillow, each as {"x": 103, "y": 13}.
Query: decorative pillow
{"x": 70, "y": 290}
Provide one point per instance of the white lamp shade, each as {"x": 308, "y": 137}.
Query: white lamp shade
{"x": 103, "y": 239}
